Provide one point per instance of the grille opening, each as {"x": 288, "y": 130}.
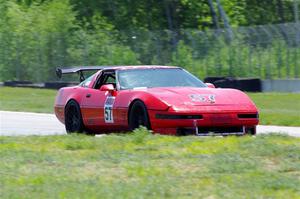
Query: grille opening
{"x": 248, "y": 116}
{"x": 174, "y": 117}
{"x": 239, "y": 130}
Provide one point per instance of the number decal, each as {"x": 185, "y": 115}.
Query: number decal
{"x": 108, "y": 114}
{"x": 108, "y": 109}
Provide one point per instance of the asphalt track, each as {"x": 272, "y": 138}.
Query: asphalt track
{"x": 23, "y": 123}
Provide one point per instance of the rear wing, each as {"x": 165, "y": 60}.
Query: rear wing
{"x": 79, "y": 70}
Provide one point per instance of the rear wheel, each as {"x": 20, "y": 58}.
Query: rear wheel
{"x": 138, "y": 116}
{"x": 73, "y": 118}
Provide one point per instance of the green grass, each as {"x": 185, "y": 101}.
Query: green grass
{"x": 140, "y": 165}
{"x": 275, "y": 108}
{"x": 278, "y": 108}
{"x": 27, "y": 99}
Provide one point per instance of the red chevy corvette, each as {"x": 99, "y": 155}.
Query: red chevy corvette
{"x": 165, "y": 99}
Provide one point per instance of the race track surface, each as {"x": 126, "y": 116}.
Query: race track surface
{"x": 23, "y": 123}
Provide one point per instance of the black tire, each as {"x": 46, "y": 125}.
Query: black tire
{"x": 73, "y": 118}
{"x": 138, "y": 116}
{"x": 251, "y": 130}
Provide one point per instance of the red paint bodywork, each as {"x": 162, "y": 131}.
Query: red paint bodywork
{"x": 171, "y": 101}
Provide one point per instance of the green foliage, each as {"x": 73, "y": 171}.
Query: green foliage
{"x": 33, "y": 36}
{"x": 185, "y": 14}
{"x": 237, "y": 58}
{"x": 99, "y": 48}
{"x": 78, "y": 166}
{"x": 80, "y": 144}
{"x": 182, "y": 56}
{"x": 37, "y": 36}
{"x": 139, "y": 135}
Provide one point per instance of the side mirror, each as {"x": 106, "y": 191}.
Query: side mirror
{"x": 107, "y": 87}
{"x": 210, "y": 85}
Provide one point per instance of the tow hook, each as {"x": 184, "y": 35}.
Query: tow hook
{"x": 196, "y": 127}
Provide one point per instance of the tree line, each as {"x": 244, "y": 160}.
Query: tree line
{"x": 180, "y": 14}
{"x": 38, "y": 35}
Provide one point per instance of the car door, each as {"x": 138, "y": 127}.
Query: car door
{"x": 95, "y": 101}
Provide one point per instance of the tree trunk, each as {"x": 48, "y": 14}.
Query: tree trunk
{"x": 280, "y": 11}
{"x": 213, "y": 14}
{"x": 168, "y": 15}
{"x": 170, "y": 22}
{"x": 296, "y": 11}
{"x": 225, "y": 20}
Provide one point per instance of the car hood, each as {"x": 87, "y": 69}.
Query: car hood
{"x": 187, "y": 96}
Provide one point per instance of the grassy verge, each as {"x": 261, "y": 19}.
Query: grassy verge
{"x": 140, "y": 165}
{"x": 278, "y": 108}
{"x": 275, "y": 108}
{"x": 27, "y": 99}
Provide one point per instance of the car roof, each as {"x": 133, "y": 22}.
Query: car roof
{"x": 79, "y": 69}
{"x": 132, "y": 67}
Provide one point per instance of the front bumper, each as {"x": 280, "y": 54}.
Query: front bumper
{"x": 224, "y": 123}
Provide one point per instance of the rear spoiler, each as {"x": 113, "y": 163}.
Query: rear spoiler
{"x": 60, "y": 71}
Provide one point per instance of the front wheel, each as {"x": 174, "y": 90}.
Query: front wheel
{"x": 138, "y": 116}
{"x": 251, "y": 130}
{"x": 73, "y": 118}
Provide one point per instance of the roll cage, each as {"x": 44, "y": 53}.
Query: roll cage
{"x": 79, "y": 70}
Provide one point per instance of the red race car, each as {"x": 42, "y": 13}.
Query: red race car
{"x": 165, "y": 99}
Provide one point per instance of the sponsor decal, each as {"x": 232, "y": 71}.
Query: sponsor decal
{"x": 212, "y": 98}
{"x": 108, "y": 109}
{"x": 197, "y": 98}
{"x": 203, "y": 98}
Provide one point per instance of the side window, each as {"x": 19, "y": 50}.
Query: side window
{"x": 86, "y": 82}
{"x": 110, "y": 80}
{"x": 107, "y": 77}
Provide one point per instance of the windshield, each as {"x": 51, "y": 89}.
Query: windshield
{"x": 158, "y": 77}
